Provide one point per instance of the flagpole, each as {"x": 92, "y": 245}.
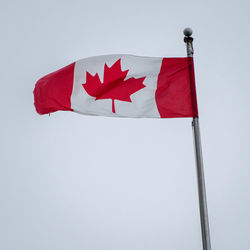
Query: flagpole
{"x": 199, "y": 162}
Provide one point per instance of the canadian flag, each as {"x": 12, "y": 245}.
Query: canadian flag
{"x": 122, "y": 86}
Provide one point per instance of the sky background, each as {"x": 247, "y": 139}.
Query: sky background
{"x": 73, "y": 182}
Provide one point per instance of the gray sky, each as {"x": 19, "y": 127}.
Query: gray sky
{"x": 71, "y": 182}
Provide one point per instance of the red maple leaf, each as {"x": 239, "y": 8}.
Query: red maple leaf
{"x": 113, "y": 87}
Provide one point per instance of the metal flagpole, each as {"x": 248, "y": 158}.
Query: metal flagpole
{"x": 199, "y": 162}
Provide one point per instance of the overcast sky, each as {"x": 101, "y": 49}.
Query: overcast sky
{"x": 73, "y": 182}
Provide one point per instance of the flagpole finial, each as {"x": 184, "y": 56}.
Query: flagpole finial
{"x": 189, "y": 41}
{"x": 188, "y": 32}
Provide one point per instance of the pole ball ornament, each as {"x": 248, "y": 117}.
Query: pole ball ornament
{"x": 188, "y": 32}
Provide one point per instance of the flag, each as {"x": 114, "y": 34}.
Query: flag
{"x": 121, "y": 86}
